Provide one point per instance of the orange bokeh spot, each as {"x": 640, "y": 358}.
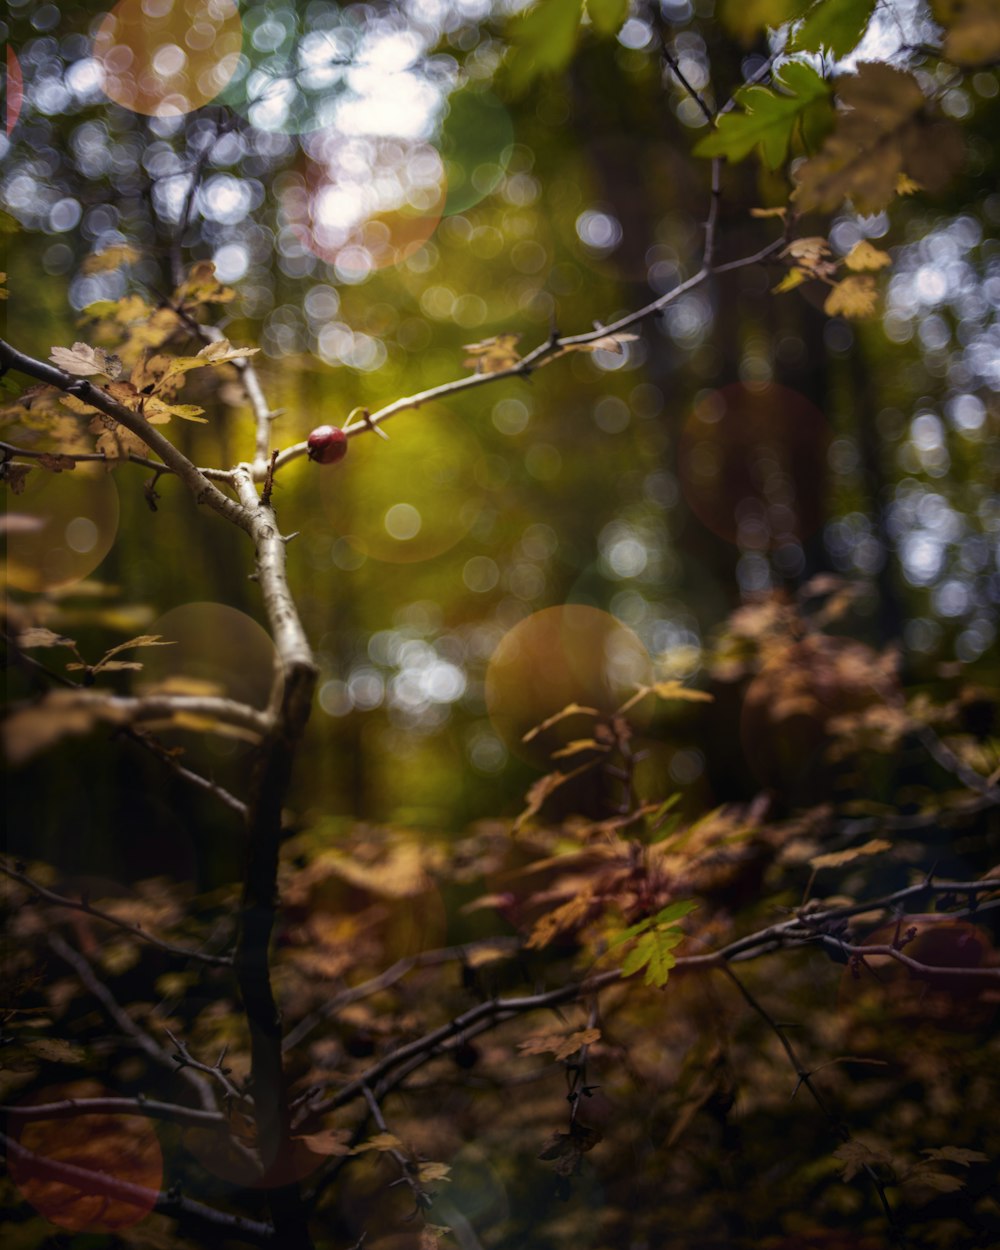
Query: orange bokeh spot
{"x": 66, "y": 525}
{"x": 121, "y": 1148}
{"x": 14, "y": 87}
{"x": 363, "y": 225}
{"x": 755, "y": 455}
{"x": 562, "y": 655}
{"x": 165, "y": 58}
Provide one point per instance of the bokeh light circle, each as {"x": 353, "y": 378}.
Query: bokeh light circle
{"x": 412, "y": 498}
{"x": 13, "y": 90}
{"x": 755, "y": 457}
{"x": 67, "y": 523}
{"x": 215, "y": 645}
{"x": 119, "y": 1147}
{"x": 475, "y": 143}
{"x": 367, "y": 205}
{"x": 573, "y": 653}
{"x": 165, "y": 58}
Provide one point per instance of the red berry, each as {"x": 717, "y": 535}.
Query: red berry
{"x": 327, "y": 444}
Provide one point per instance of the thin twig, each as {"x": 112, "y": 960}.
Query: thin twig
{"x": 128, "y": 1027}
{"x": 70, "y": 1108}
{"x": 135, "y": 930}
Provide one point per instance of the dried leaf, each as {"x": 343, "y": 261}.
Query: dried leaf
{"x": 15, "y": 475}
{"x": 578, "y": 745}
{"x": 561, "y": 1045}
{"x": 614, "y": 343}
{"x": 837, "y": 859}
{"x": 492, "y": 355}
{"x": 55, "y": 462}
{"x": 855, "y": 1156}
{"x": 571, "y": 709}
{"x": 114, "y": 441}
{"x": 202, "y": 287}
{"x": 40, "y": 637}
{"x": 59, "y": 714}
{"x": 972, "y": 30}
{"x": 427, "y": 1173}
{"x": 330, "y": 1141}
{"x": 84, "y": 361}
{"x": 781, "y": 212}
{"x": 792, "y": 279}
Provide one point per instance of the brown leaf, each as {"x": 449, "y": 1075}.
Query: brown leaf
{"x": 614, "y": 343}
{"x": 882, "y": 131}
{"x": 837, "y": 859}
{"x": 59, "y": 714}
{"x": 578, "y": 745}
{"x": 972, "y": 30}
{"x": 561, "y": 1045}
{"x": 114, "y": 441}
{"x": 571, "y": 709}
{"x": 330, "y": 1141}
{"x": 56, "y": 462}
{"x": 427, "y": 1173}
{"x": 381, "y": 1142}
{"x": 15, "y": 475}
{"x": 84, "y": 361}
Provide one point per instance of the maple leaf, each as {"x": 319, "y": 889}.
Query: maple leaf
{"x": 856, "y": 296}
{"x": 202, "y": 287}
{"x": 217, "y": 353}
{"x": 882, "y": 131}
{"x": 560, "y": 1044}
{"x": 38, "y": 636}
{"x": 865, "y": 256}
{"x": 492, "y": 355}
{"x": 84, "y": 361}
{"x": 769, "y": 116}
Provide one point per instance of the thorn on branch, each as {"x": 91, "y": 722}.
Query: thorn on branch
{"x": 366, "y": 416}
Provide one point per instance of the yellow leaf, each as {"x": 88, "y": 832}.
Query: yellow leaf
{"x": 837, "y": 859}
{"x": 430, "y": 1172}
{"x": 856, "y": 296}
{"x": 492, "y": 355}
{"x": 578, "y": 745}
{"x": 770, "y": 212}
{"x": 381, "y": 1142}
{"x": 111, "y": 258}
{"x": 906, "y": 186}
{"x": 792, "y": 279}
{"x": 864, "y": 256}
{"x": 675, "y": 690}
{"x": 571, "y": 709}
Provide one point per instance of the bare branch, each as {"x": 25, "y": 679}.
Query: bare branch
{"x": 127, "y": 1026}
{"x": 70, "y": 1108}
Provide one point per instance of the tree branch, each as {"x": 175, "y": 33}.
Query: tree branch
{"x": 134, "y": 930}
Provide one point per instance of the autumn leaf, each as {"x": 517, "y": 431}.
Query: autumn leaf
{"x": 614, "y": 343}
{"x": 202, "y": 287}
{"x": 38, "y": 636}
{"x": 571, "y": 709}
{"x": 331, "y": 1142}
{"x": 855, "y": 1156}
{"x": 218, "y": 353}
{"x": 837, "y": 859}
{"x": 55, "y": 462}
{"x": 492, "y": 355}
{"x": 381, "y": 1142}
{"x": 792, "y": 279}
{"x": 111, "y": 258}
{"x": 856, "y": 296}
{"x": 84, "y": 361}
{"x": 865, "y": 256}
{"x": 58, "y": 714}
{"x": 972, "y": 30}
{"x": 114, "y": 441}
{"x": 578, "y": 745}
{"x": 157, "y": 412}
{"x": 560, "y": 1044}
{"x": 881, "y": 131}
{"x": 15, "y": 475}
{"x": 428, "y": 1173}
{"x": 3, "y": 286}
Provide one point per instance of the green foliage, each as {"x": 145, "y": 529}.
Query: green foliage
{"x": 656, "y": 938}
{"x": 798, "y": 104}
{"x": 834, "y": 26}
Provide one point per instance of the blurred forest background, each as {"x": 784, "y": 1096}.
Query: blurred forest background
{"x": 393, "y": 193}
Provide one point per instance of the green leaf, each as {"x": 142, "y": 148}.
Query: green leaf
{"x": 661, "y": 963}
{"x": 676, "y": 911}
{"x": 607, "y": 15}
{"x": 769, "y": 119}
{"x": 632, "y": 931}
{"x": 544, "y": 41}
{"x": 834, "y": 25}
{"x": 748, "y": 18}
{"x": 639, "y": 955}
